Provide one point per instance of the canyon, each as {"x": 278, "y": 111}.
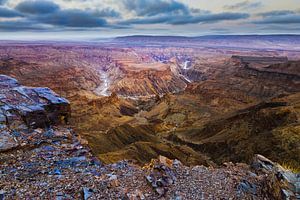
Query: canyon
{"x": 205, "y": 103}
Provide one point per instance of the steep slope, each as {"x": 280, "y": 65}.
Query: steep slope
{"x": 66, "y": 79}
{"x": 269, "y": 128}
{"x": 140, "y": 144}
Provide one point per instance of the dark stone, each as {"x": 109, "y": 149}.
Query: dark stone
{"x": 57, "y": 172}
{"x": 2, "y": 194}
{"x": 247, "y": 187}
{"x": 8, "y": 82}
{"x": 35, "y": 107}
{"x": 72, "y": 162}
{"x": 48, "y": 148}
{"x": 95, "y": 162}
{"x": 87, "y": 193}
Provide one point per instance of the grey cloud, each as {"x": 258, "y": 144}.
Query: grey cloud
{"x": 211, "y": 18}
{"x": 199, "y": 11}
{"x": 152, "y": 8}
{"x": 243, "y": 5}
{"x": 187, "y": 19}
{"x": 2, "y": 2}
{"x": 276, "y": 13}
{"x": 7, "y": 13}
{"x": 20, "y": 25}
{"x": 45, "y": 15}
{"x": 47, "y": 12}
{"x": 107, "y": 12}
{"x": 37, "y": 7}
{"x": 173, "y": 12}
{"x": 281, "y": 19}
{"x": 71, "y": 18}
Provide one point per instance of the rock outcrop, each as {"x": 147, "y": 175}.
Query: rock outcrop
{"x": 281, "y": 183}
{"x": 34, "y": 107}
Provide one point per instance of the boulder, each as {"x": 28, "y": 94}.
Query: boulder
{"x": 282, "y": 183}
{"x": 33, "y": 107}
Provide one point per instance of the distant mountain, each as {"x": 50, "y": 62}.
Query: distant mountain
{"x": 291, "y": 42}
{"x": 207, "y": 37}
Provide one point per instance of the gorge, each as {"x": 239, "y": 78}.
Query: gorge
{"x": 124, "y": 109}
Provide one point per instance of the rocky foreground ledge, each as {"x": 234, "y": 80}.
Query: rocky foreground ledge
{"x": 41, "y": 158}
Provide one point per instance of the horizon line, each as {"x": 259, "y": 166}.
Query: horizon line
{"x": 141, "y": 35}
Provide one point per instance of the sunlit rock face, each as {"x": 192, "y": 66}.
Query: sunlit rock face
{"x": 148, "y": 80}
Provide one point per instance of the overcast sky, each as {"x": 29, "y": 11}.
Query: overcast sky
{"x": 73, "y": 19}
